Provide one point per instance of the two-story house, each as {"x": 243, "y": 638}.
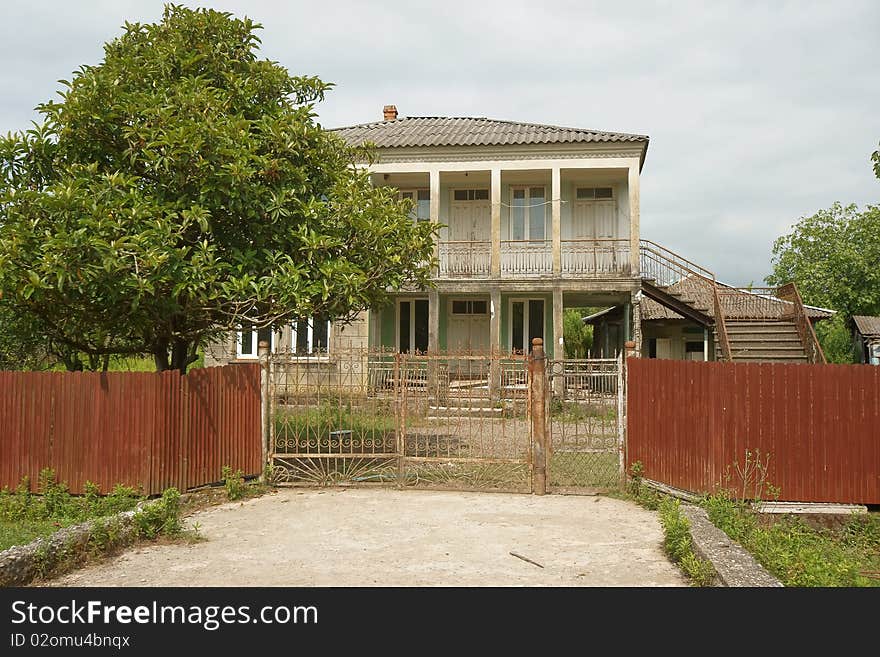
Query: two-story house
{"x": 535, "y": 218}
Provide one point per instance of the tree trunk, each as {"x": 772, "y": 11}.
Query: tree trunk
{"x": 180, "y": 355}
{"x": 160, "y": 356}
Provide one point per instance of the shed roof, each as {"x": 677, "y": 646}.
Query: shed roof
{"x": 867, "y": 325}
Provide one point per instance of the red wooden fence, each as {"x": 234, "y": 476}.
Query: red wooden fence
{"x": 141, "y": 429}
{"x": 687, "y": 422}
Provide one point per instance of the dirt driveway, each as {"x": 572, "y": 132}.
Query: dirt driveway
{"x": 379, "y": 537}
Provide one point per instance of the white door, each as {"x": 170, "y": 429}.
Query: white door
{"x": 470, "y": 221}
{"x": 596, "y": 220}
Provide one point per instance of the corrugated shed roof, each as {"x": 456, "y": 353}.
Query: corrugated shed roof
{"x": 867, "y": 325}
{"x": 471, "y": 131}
{"x": 735, "y": 302}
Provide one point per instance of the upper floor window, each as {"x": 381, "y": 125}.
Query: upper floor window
{"x": 528, "y": 213}
{"x": 594, "y": 193}
{"x": 421, "y": 200}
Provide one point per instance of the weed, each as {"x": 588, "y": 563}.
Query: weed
{"x": 679, "y": 545}
{"x": 160, "y": 517}
{"x": 234, "y": 483}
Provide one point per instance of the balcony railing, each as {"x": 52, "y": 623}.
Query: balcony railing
{"x": 526, "y": 257}
{"x": 465, "y": 259}
{"x": 599, "y": 257}
{"x": 530, "y": 258}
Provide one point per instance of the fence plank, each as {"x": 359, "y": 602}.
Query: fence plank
{"x": 688, "y": 422}
{"x": 145, "y": 430}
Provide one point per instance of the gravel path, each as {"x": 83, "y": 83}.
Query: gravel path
{"x": 383, "y": 537}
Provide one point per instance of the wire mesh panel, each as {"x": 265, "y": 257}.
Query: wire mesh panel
{"x": 464, "y": 422}
{"x": 586, "y": 423}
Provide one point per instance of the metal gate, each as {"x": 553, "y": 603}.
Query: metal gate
{"x": 586, "y": 420}
{"x": 454, "y": 420}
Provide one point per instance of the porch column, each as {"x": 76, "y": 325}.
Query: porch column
{"x": 635, "y": 301}
{"x": 433, "y": 321}
{"x": 495, "y": 342}
{"x": 495, "y": 192}
{"x": 558, "y": 352}
{"x": 556, "y": 221}
{"x": 633, "y": 184}
{"x": 285, "y": 341}
{"x": 434, "y": 177}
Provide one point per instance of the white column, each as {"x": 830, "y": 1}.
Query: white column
{"x": 434, "y": 177}
{"x": 433, "y": 321}
{"x": 495, "y": 193}
{"x": 558, "y": 341}
{"x": 495, "y": 342}
{"x": 556, "y": 219}
{"x": 633, "y": 184}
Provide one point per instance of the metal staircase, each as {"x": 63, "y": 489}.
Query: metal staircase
{"x": 749, "y": 324}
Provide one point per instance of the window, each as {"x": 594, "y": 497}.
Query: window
{"x": 693, "y": 350}
{"x": 310, "y": 336}
{"x": 528, "y": 213}
{"x": 469, "y": 307}
{"x": 421, "y": 199}
{"x": 470, "y": 195}
{"x": 597, "y": 193}
{"x": 412, "y": 325}
{"x": 249, "y": 339}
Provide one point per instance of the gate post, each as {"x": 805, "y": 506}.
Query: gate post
{"x": 537, "y": 406}
{"x": 265, "y": 410}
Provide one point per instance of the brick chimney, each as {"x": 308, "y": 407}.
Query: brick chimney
{"x": 389, "y": 112}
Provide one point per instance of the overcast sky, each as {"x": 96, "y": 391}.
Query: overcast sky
{"x": 758, "y": 112}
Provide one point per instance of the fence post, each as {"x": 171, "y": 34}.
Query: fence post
{"x": 265, "y": 404}
{"x": 537, "y": 406}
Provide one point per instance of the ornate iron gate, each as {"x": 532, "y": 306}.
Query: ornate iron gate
{"x": 359, "y": 417}
{"x": 586, "y": 419}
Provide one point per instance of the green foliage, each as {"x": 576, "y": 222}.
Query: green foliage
{"x": 234, "y": 483}
{"x": 181, "y": 188}
{"x": 25, "y": 516}
{"x": 798, "y": 554}
{"x": 836, "y": 339}
{"x": 160, "y": 517}
{"x": 678, "y": 543}
{"x": 578, "y": 337}
{"x": 875, "y": 158}
{"x": 833, "y": 256}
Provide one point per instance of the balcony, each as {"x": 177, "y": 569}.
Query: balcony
{"x": 522, "y": 259}
{"x": 595, "y": 258}
{"x": 460, "y": 259}
{"x": 525, "y": 258}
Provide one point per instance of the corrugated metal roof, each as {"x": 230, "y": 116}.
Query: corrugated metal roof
{"x": 734, "y": 303}
{"x": 867, "y": 325}
{"x": 471, "y": 131}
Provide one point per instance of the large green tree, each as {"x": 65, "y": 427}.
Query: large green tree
{"x": 834, "y": 256}
{"x": 182, "y": 188}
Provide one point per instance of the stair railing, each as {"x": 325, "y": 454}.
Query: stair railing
{"x": 807, "y": 333}
{"x": 666, "y": 267}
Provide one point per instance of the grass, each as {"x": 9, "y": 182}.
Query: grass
{"x": 799, "y": 554}
{"x": 25, "y": 516}
{"x": 314, "y": 424}
{"x": 588, "y": 469}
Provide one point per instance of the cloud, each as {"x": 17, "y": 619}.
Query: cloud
{"x": 759, "y": 113}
